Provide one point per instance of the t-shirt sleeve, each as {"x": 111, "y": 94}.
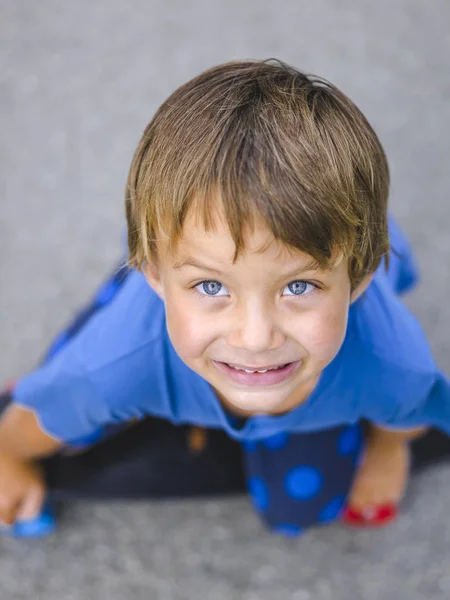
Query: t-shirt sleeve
{"x": 111, "y": 371}
{"x": 62, "y": 397}
{"x": 397, "y": 381}
{"x": 402, "y": 397}
{"x": 432, "y": 407}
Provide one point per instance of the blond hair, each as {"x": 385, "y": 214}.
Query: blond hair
{"x": 266, "y": 140}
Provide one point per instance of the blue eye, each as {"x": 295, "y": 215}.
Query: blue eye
{"x": 299, "y": 287}
{"x": 211, "y": 287}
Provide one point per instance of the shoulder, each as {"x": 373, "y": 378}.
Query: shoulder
{"x": 383, "y": 326}
{"x": 131, "y": 361}
{"x": 393, "y": 366}
{"x": 120, "y": 352}
{"x": 133, "y": 321}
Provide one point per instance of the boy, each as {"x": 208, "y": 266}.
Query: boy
{"x": 259, "y": 303}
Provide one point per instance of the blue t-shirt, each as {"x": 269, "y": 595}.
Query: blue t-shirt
{"x": 122, "y": 365}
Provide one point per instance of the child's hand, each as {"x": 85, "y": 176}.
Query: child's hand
{"x": 22, "y": 490}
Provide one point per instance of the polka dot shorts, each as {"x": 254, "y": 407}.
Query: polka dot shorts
{"x": 299, "y": 480}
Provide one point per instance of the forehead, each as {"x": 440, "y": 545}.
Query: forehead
{"x": 217, "y": 240}
{"x": 216, "y": 244}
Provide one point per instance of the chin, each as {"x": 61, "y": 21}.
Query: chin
{"x": 256, "y": 407}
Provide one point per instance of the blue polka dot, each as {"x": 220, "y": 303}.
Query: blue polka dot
{"x": 332, "y": 509}
{"x": 349, "y": 440}
{"x": 250, "y": 445}
{"x": 277, "y": 441}
{"x": 259, "y": 493}
{"x": 288, "y": 530}
{"x": 107, "y": 292}
{"x": 303, "y": 483}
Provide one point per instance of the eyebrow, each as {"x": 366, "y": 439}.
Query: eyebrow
{"x": 312, "y": 265}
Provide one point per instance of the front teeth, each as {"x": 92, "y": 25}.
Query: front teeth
{"x": 247, "y": 371}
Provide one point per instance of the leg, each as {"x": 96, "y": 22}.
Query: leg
{"x": 389, "y": 459}
{"x": 150, "y": 459}
{"x": 299, "y": 480}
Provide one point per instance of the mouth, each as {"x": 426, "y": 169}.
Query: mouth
{"x": 261, "y": 376}
{"x": 258, "y": 369}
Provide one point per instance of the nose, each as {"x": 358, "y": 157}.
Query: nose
{"x": 253, "y": 329}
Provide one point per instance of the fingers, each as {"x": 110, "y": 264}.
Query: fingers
{"x": 7, "y": 513}
{"x": 31, "y": 505}
{"x": 22, "y": 490}
{"x": 29, "y": 508}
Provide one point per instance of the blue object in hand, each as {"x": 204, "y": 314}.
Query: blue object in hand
{"x": 42, "y": 525}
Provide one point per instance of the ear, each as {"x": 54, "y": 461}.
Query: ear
{"x": 362, "y": 287}
{"x": 153, "y": 277}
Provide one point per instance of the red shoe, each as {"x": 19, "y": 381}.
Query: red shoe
{"x": 370, "y": 516}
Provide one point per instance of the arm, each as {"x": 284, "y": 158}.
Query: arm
{"x": 21, "y": 436}
{"x": 101, "y": 376}
{"x": 388, "y": 436}
{"x": 22, "y": 488}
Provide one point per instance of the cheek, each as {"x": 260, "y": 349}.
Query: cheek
{"x": 323, "y": 333}
{"x": 189, "y": 333}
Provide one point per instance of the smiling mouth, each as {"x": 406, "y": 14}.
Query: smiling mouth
{"x": 257, "y": 369}
{"x": 268, "y": 376}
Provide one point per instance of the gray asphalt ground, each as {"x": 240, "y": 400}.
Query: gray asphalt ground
{"x": 78, "y": 83}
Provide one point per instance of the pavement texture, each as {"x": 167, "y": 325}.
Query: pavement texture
{"x": 78, "y": 83}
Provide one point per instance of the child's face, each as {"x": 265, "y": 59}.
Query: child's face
{"x": 264, "y": 310}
